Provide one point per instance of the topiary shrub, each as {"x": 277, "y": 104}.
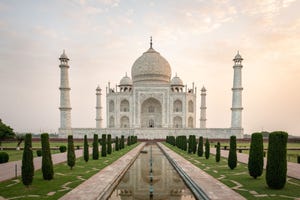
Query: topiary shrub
{"x": 128, "y": 141}
{"x": 27, "y": 162}
{"x": 232, "y": 157}
{"x": 122, "y": 142}
{"x": 62, "y": 148}
{"x": 276, "y": 160}
{"x": 117, "y": 143}
{"x": 47, "y": 165}
{"x": 256, "y": 155}
{"x": 71, "y": 158}
{"x": 298, "y": 159}
{"x": 207, "y": 149}
{"x": 109, "y": 146}
{"x": 192, "y": 144}
{"x": 39, "y": 153}
{"x": 200, "y": 147}
{"x": 218, "y": 152}
{"x": 85, "y": 149}
{"x": 95, "y": 148}
{"x": 103, "y": 146}
{"x": 4, "y": 157}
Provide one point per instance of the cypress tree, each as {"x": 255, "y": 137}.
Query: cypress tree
{"x": 71, "y": 152}
{"x": 95, "y": 148}
{"x": 200, "y": 147}
{"x": 86, "y": 149}
{"x": 256, "y": 155}
{"x": 218, "y": 152}
{"x": 190, "y": 147}
{"x": 117, "y": 144}
{"x": 27, "y": 162}
{"x": 109, "y": 147}
{"x": 276, "y": 160}
{"x": 47, "y": 165}
{"x": 128, "y": 141}
{"x": 184, "y": 143}
{"x": 207, "y": 149}
{"x": 232, "y": 157}
{"x": 122, "y": 142}
{"x": 103, "y": 146}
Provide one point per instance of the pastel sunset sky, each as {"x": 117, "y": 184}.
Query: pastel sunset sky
{"x": 103, "y": 38}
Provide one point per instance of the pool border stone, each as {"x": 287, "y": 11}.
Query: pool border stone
{"x": 102, "y": 184}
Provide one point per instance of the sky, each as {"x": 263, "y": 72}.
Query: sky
{"x": 103, "y": 38}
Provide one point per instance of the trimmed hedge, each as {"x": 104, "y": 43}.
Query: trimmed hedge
{"x": 207, "y": 149}
{"x": 122, "y": 142}
{"x": 71, "y": 158}
{"x": 39, "y": 153}
{"x": 192, "y": 144}
{"x": 117, "y": 144}
{"x": 218, "y": 152}
{"x": 62, "y": 148}
{"x": 200, "y": 147}
{"x": 256, "y": 155}
{"x": 86, "y": 154}
{"x": 276, "y": 160}
{"x": 4, "y": 157}
{"x": 95, "y": 148}
{"x": 232, "y": 157}
{"x": 47, "y": 165}
{"x": 27, "y": 161}
{"x": 103, "y": 146}
{"x": 109, "y": 146}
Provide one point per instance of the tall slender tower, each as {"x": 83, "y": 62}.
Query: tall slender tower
{"x": 203, "y": 108}
{"x": 65, "y": 106}
{"x": 236, "y": 110}
{"x": 98, "y": 108}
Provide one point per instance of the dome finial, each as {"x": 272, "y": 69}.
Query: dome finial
{"x": 150, "y": 42}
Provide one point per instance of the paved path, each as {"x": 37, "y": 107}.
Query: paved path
{"x": 293, "y": 169}
{"x": 8, "y": 170}
{"x": 213, "y": 188}
{"x": 102, "y": 184}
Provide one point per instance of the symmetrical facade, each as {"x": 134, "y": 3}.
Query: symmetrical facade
{"x": 151, "y": 99}
{"x": 151, "y": 104}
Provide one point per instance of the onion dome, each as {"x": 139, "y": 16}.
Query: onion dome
{"x": 125, "y": 81}
{"x": 176, "y": 81}
{"x": 150, "y": 68}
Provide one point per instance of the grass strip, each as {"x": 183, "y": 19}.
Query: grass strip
{"x": 64, "y": 178}
{"x": 239, "y": 178}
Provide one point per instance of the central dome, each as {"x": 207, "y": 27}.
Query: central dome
{"x": 151, "y": 67}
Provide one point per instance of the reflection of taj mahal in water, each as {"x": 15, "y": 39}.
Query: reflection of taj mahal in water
{"x": 151, "y": 104}
{"x": 166, "y": 182}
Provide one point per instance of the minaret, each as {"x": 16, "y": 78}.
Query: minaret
{"x": 65, "y": 106}
{"x": 203, "y": 108}
{"x": 236, "y": 110}
{"x": 98, "y": 108}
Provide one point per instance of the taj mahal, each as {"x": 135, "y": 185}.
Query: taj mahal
{"x": 151, "y": 104}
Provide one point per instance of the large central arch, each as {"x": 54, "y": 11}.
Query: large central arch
{"x": 151, "y": 113}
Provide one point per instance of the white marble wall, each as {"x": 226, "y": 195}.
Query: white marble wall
{"x": 154, "y": 133}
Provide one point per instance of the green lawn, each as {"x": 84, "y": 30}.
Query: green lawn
{"x": 17, "y": 155}
{"x": 239, "y": 179}
{"x": 64, "y": 179}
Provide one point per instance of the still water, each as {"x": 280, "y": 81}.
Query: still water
{"x": 157, "y": 181}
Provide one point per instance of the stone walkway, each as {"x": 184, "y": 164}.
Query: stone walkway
{"x": 100, "y": 185}
{"x": 8, "y": 170}
{"x": 213, "y": 188}
{"x": 293, "y": 169}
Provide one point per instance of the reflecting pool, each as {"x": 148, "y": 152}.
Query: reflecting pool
{"x": 151, "y": 176}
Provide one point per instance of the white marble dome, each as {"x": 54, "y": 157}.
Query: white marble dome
{"x": 126, "y": 80}
{"x": 151, "y": 67}
{"x": 176, "y": 81}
